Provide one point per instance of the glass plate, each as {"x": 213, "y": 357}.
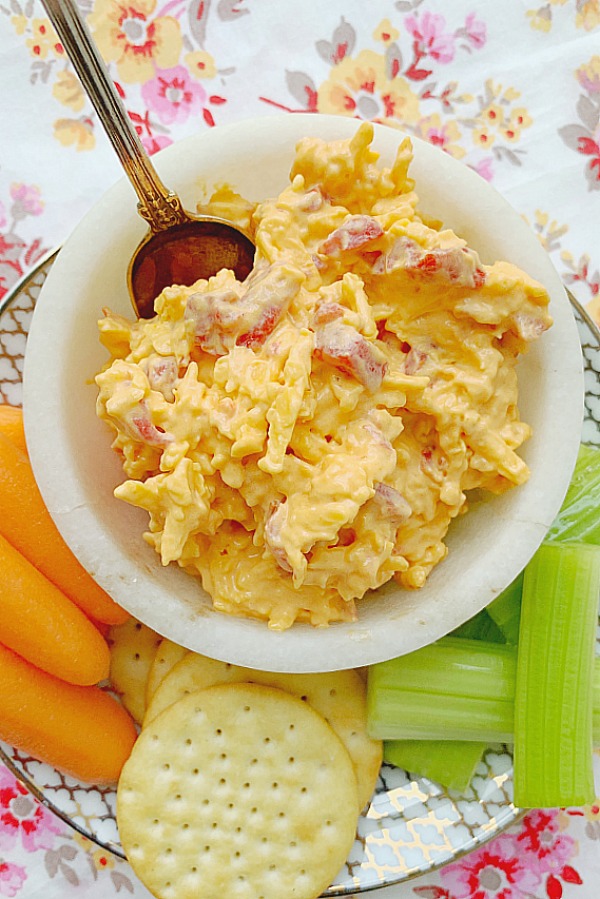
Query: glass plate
{"x": 412, "y": 825}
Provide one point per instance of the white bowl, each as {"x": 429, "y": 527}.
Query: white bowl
{"x": 77, "y": 471}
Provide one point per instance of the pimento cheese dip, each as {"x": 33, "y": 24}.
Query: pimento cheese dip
{"x": 301, "y": 438}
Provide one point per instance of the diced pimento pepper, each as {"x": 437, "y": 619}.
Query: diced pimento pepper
{"x": 273, "y": 525}
{"x": 140, "y": 426}
{"x": 530, "y": 327}
{"x": 354, "y": 233}
{"x": 393, "y": 505}
{"x": 312, "y": 200}
{"x": 415, "y": 358}
{"x": 224, "y": 318}
{"x": 459, "y": 265}
{"x": 163, "y": 371}
{"x": 261, "y": 330}
{"x": 434, "y": 463}
{"x": 328, "y": 312}
{"x": 347, "y": 350}
{"x": 214, "y": 314}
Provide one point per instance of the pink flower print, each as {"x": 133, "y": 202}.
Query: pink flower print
{"x": 22, "y": 817}
{"x": 475, "y": 31}
{"x": 430, "y": 37}
{"x": 493, "y": 872}
{"x": 154, "y": 143}
{"x": 540, "y": 841}
{"x": 12, "y": 878}
{"x": 26, "y": 200}
{"x": 3, "y": 218}
{"x": 173, "y": 95}
{"x": 484, "y": 168}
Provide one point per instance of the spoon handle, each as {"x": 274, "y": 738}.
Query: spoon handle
{"x": 160, "y": 207}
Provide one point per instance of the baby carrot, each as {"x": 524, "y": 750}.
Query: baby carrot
{"x": 11, "y": 425}
{"x": 26, "y": 523}
{"x": 41, "y": 624}
{"x": 79, "y": 730}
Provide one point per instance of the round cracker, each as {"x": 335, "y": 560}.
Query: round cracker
{"x": 167, "y": 656}
{"x": 238, "y": 790}
{"x": 133, "y": 646}
{"x": 339, "y": 696}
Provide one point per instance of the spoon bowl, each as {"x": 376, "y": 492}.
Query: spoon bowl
{"x": 181, "y": 254}
{"x": 180, "y": 247}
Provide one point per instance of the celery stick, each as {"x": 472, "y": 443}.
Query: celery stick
{"x": 432, "y": 702}
{"x": 454, "y": 689}
{"x": 579, "y": 518}
{"x": 596, "y": 702}
{"x": 554, "y": 687}
{"x": 451, "y": 763}
{"x": 577, "y": 522}
{"x": 404, "y": 714}
{"x": 480, "y": 627}
{"x": 452, "y": 666}
{"x": 505, "y": 610}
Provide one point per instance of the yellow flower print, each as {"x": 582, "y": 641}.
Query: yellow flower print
{"x": 441, "y": 134}
{"x": 68, "y": 91}
{"x": 496, "y": 118}
{"x": 493, "y": 115}
{"x": 128, "y": 36}
{"x": 540, "y": 19}
{"x": 201, "y": 64}
{"x": 503, "y": 95}
{"x": 483, "y": 137}
{"x": 588, "y": 75}
{"x": 592, "y": 812}
{"x": 588, "y": 15}
{"x": 103, "y": 860}
{"x": 548, "y": 231}
{"x": 593, "y": 308}
{"x": 44, "y": 40}
{"x": 82, "y": 841}
{"x": 386, "y": 32}
{"x": 519, "y": 119}
{"x": 19, "y": 23}
{"x": 76, "y": 133}
{"x": 360, "y": 87}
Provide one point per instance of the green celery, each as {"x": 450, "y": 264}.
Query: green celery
{"x": 451, "y": 763}
{"x": 480, "y": 627}
{"x": 454, "y": 689}
{"x": 554, "y": 687}
{"x": 577, "y": 522}
{"x": 505, "y": 610}
{"x": 596, "y": 704}
{"x": 579, "y": 518}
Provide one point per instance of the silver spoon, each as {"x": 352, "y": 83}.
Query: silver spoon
{"x": 180, "y": 247}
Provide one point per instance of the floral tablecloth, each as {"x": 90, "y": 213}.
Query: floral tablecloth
{"x": 511, "y": 89}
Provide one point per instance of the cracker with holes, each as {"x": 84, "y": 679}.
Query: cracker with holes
{"x": 166, "y": 657}
{"x": 339, "y": 696}
{"x": 132, "y": 650}
{"x": 240, "y": 791}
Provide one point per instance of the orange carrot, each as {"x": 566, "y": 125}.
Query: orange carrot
{"x": 11, "y": 425}
{"x": 44, "y": 626}
{"x": 79, "y": 730}
{"x": 26, "y": 523}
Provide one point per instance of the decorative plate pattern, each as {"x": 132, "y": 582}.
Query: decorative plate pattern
{"x": 412, "y": 825}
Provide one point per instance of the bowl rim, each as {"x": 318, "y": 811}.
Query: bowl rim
{"x": 56, "y": 461}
